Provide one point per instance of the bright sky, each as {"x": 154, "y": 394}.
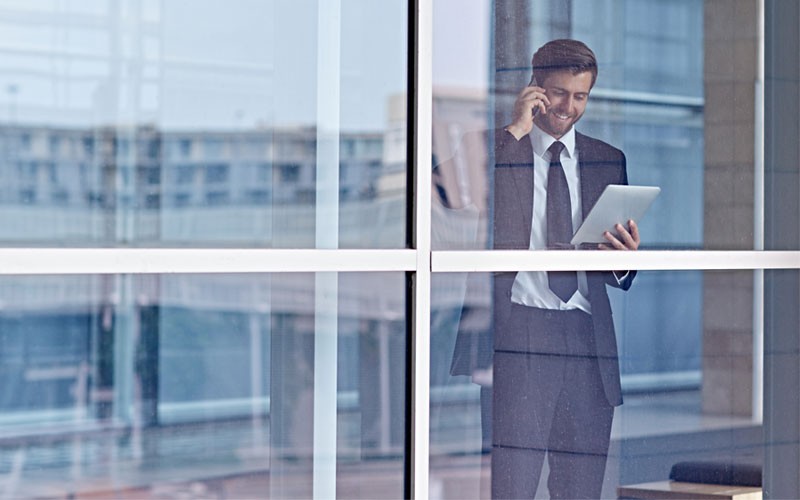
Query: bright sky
{"x": 195, "y": 63}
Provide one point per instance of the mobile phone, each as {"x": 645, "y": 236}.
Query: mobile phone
{"x": 533, "y": 84}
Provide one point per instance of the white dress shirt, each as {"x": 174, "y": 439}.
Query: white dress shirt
{"x": 531, "y": 288}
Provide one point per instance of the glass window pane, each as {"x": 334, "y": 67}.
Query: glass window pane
{"x": 678, "y": 91}
{"x": 123, "y": 124}
{"x": 203, "y": 385}
{"x": 701, "y": 357}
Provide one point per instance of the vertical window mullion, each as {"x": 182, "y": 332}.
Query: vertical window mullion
{"x": 420, "y": 145}
{"x": 326, "y": 285}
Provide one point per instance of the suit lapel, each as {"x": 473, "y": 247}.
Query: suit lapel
{"x": 592, "y": 178}
{"x": 585, "y": 172}
{"x": 515, "y": 159}
{"x": 523, "y": 183}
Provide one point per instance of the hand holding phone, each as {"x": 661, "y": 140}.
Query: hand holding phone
{"x": 531, "y": 101}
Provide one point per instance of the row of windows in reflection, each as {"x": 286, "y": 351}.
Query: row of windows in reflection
{"x": 93, "y": 168}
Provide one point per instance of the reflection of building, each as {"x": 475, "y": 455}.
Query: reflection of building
{"x": 126, "y": 352}
{"x": 149, "y": 187}
{"x": 65, "y": 337}
{"x": 79, "y": 185}
{"x": 70, "y": 185}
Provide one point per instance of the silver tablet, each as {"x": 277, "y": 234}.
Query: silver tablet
{"x": 617, "y": 204}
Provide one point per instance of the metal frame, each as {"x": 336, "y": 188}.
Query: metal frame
{"x": 40, "y": 261}
{"x": 58, "y": 261}
{"x": 419, "y": 405}
{"x": 645, "y": 260}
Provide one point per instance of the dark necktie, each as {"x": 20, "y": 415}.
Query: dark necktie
{"x": 559, "y": 222}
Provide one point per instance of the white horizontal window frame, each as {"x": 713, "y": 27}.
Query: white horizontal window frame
{"x": 644, "y": 260}
{"x": 55, "y": 261}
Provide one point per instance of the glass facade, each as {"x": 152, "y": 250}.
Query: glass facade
{"x": 261, "y": 249}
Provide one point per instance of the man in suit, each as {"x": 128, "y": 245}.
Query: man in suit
{"x": 555, "y": 372}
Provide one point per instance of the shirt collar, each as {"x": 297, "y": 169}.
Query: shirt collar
{"x": 541, "y": 141}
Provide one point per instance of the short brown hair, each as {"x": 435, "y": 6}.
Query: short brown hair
{"x": 559, "y": 55}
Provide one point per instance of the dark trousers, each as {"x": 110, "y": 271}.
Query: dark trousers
{"x": 548, "y": 400}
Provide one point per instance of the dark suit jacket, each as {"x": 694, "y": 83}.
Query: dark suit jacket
{"x": 599, "y": 165}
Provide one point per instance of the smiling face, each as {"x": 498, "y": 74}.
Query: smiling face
{"x": 568, "y": 95}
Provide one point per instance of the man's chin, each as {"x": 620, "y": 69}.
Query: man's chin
{"x": 559, "y": 132}
{"x": 558, "y": 129}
